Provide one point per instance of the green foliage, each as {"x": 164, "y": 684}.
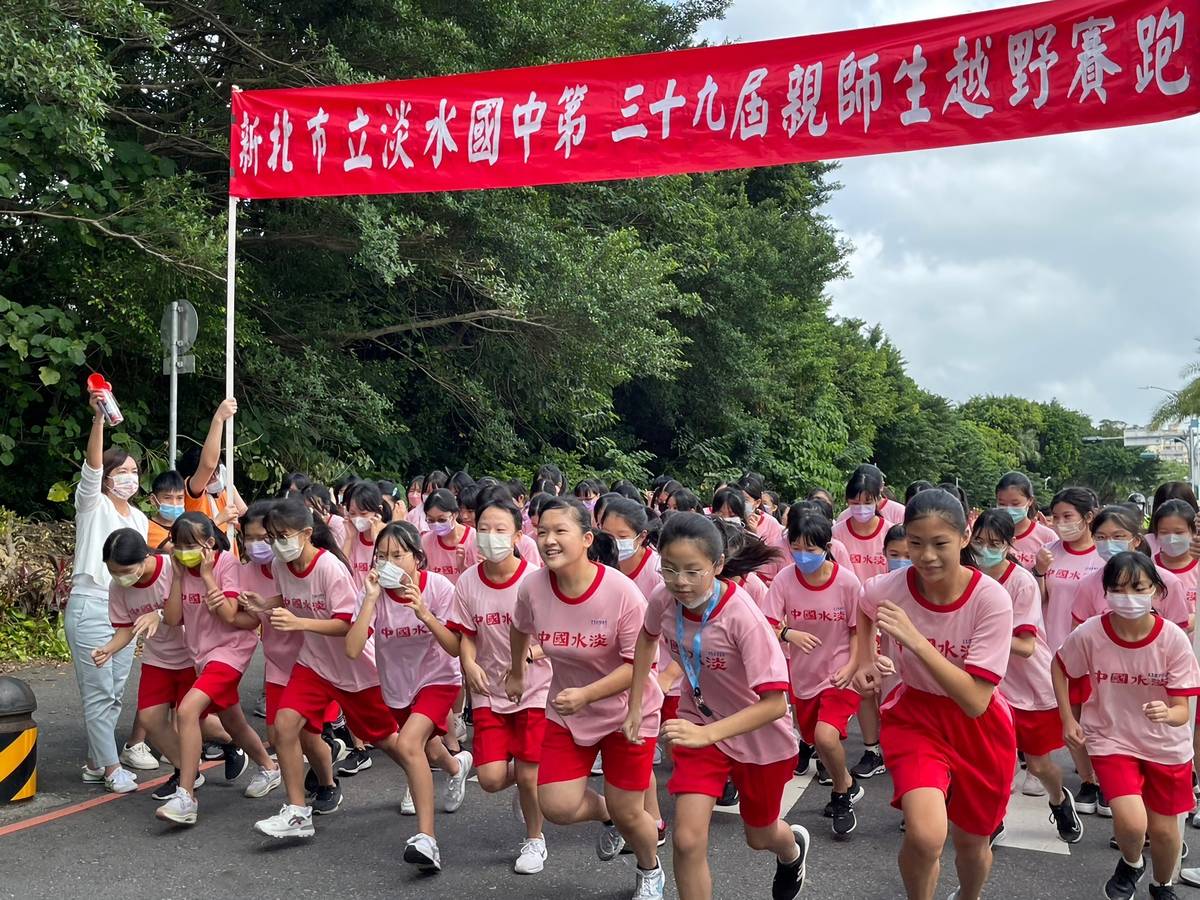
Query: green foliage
{"x": 25, "y": 637}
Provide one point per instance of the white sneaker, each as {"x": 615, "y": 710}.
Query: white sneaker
{"x": 180, "y": 809}
{"x": 290, "y": 821}
{"x": 532, "y": 858}
{"x": 121, "y": 781}
{"x": 598, "y": 765}
{"x": 456, "y": 785}
{"x": 610, "y": 843}
{"x": 263, "y": 782}
{"x": 139, "y": 757}
{"x": 649, "y": 884}
{"x": 422, "y": 851}
{"x": 1032, "y": 786}
{"x": 92, "y": 776}
{"x": 407, "y": 807}
{"x": 458, "y": 727}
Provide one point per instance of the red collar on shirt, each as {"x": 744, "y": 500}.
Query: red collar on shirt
{"x": 1131, "y": 645}
{"x": 267, "y": 572}
{"x": 307, "y": 569}
{"x": 646, "y": 551}
{"x": 585, "y": 595}
{"x": 866, "y": 537}
{"x": 730, "y": 590}
{"x": 1028, "y": 531}
{"x": 369, "y": 542}
{"x": 158, "y": 566}
{"x": 1007, "y": 572}
{"x": 976, "y": 575}
{"x": 804, "y": 583}
{"x": 1067, "y": 547}
{"x": 462, "y": 541}
{"x": 1158, "y": 561}
{"x": 499, "y": 586}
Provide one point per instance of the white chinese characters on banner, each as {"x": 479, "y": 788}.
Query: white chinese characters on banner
{"x": 317, "y": 126}
{"x": 628, "y": 112}
{"x": 483, "y": 139}
{"x": 393, "y": 147}
{"x": 1094, "y": 63}
{"x": 968, "y": 78}
{"x": 860, "y": 90}
{"x": 1022, "y": 63}
{"x": 527, "y": 120}
{"x": 439, "y": 133}
{"x": 750, "y": 119}
{"x": 804, "y": 93}
{"x": 914, "y": 71}
{"x": 705, "y": 101}
{"x": 571, "y": 125}
{"x": 361, "y": 159}
{"x": 670, "y": 101}
{"x": 280, "y": 135}
{"x": 251, "y": 141}
{"x": 1159, "y": 39}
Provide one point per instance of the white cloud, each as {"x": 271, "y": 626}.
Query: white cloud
{"x": 1061, "y": 267}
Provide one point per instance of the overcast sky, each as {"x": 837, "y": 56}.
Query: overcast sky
{"x": 1061, "y": 267}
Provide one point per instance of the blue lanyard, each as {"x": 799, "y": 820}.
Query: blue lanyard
{"x": 694, "y": 660}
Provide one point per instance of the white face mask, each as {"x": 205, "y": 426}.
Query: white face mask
{"x": 1069, "y": 531}
{"x": 494, "y": 547}
{"x": 700, "y": 601}
{"x": 128, "y": 580}
{"x": 1175, "y": 544}
{"x": 1130, "y": 606}
{"x": 287, "y": 549}
{"x": 862, "y": 512}
{"x": 218, "y": 483}
{"x": 626, "y": 547}
{"x": 361, "y": 523}
{"x": 124, "y": 485}
{"x": 391, "y": 575}
{"x": 734, "y": 520}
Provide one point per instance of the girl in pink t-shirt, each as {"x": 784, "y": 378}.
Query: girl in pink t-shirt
{"x": 947, "y": 734}
{"x": 446, "y": 543}
{"x": 733, "y": 713}
{"x": 1026, "y": 684}
{"x": 587, "y": 617}
{"x": 367, "y": 515}
{"x": 508, "y": 736}
{"x": 864, "y": 529}
{"x": 405, "y": 607}
{"x": 1174, "y": 527}
{"x": 1134, "y": 724}
{"x": 813, "y": 606}
{"x": 1015, "y": 497}
{"x": 204, "y": 599}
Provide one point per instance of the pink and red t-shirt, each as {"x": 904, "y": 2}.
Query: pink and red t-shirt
{"x": 483, "y": 610}
{"x": 525, "y": 545}
{"x": 361, "y": 556}
{"x": 773, "y": 535}
{"x": 1189, "y": 578}
{"x": 840, "y": 554}
{"x": 892, "y": 512}
{"x": 1029, "y": 540}
{"x": 740, "y": 660}
{"x": 586, "y": 638}
{"x": 974, "y": 632}
{"x": 209, "y": 639}
{"x": 324, "y": 590}
{"x": 441, "y": 556}
{"x": 1089, "y": 599}
{"x": 1125, "y": 676}
{"x": 828, "y": 612}
{"x": 407, "y": 655}
{"x": 280, "y": 648}
{"x": 867, "y": 558}
{"x": 1067, "y": 570}
{"x": 648, "y": 577}
{"x": 756, "y": 588}
{"x": 338, "y": 527}
{"x": 168, "y": 648}
{"x": 1027, "y": 684}
{"x": 416, "y": 518}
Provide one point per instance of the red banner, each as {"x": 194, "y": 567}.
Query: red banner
{"x": 1047, "y": 68}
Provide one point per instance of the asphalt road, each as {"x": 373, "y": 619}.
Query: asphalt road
{"x": 119, "y": 849}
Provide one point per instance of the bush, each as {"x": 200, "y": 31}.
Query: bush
{"x": 35, "y": 581}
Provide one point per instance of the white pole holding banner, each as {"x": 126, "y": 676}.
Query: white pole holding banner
{"x": 230, "y": 263}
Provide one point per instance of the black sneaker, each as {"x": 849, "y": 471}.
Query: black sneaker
{"x": 1066, "y": 820}
{"x": 823, "y": 776}
{"x": 1102, "y": 807}
{"x": 310, "y": 783}
{"x": 869, "y": 766}
{"x": 804, "y": 760}
{"x": 212, "y": 750}
{"x": 627, "y": 850}
{"x": 338, "y": 749}
{"x": 326, "y": 800}
{"x": 996, "y": 835}
{"x": 356, "y": 760}
{"x": 1086, "y": 797}
{"x": 1163, "y": 892}
{"x": 236, "y": 761}
{"x": 167, "y": 789}
{"x": 856, "y": 794}
{"x": 1021, "y": 758}
{"x": 729, "y": 796}
{"x": 789, "y": 877}
{"x": 842, "y": 813}
{"x": 1124, "y": 881}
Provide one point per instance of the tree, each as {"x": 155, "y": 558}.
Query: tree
{"x": 1183, "y": 403}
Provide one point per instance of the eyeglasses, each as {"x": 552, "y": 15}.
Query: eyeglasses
{"x": 669, "y": 574}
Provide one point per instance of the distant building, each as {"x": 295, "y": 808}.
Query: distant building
{"x": 1168, "y": 444}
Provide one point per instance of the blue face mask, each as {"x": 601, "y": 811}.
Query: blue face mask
{"x": 989, "y": 557}
{"x": 808, "y": 562}
{"x": 894, "y": 564}
{"x": 1109, "y": 549}
{"x": 1018, "y": 513}
{"x": 170, "y": 513}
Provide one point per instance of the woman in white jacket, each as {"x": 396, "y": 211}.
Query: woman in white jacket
{"x": 108, "y": 480}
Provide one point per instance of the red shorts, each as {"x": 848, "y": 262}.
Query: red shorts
{"x": 1039, "y": 731}
{"x": 833, "y": 706}
{"x": 626, "y": 766}
{"x": 670, "y": 707}
{"x": 309, "y": 694}
{"x": 929, "y": 742}
{"x": 158, "y": 686}
{"x": 1079, "y": 689}
{"x": 434, "y": 702}
{"x": 500, "y": 737}
{"x": 1166, "y": 790}
{"x": 760, "y": 786}
{"x": 219, "y": 682}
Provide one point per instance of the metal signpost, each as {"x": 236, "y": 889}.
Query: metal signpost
{"x": 178, "y": 332}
